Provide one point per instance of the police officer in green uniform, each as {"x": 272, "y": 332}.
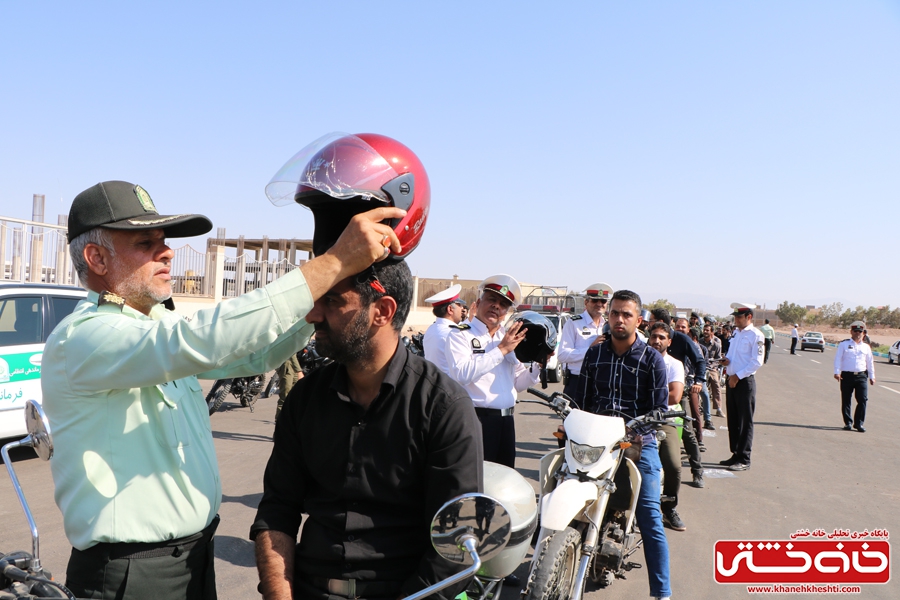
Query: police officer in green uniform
{"x": 135, "y": 469}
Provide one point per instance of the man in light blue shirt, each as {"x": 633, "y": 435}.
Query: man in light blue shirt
{"x": 135, "y": 469}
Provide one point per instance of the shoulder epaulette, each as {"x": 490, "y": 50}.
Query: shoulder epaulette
{"x": 847, "y": 340}
{"x": 577, "y": 317}
{"x": 108, "y": 298}
{"x": 462, "y": 326}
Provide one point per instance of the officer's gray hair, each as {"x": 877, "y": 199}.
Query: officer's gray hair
{"x": 99, "y": 236}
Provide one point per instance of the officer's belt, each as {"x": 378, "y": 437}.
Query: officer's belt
{"x": 135, "y": 550}
{"x": 853, "y": 373}
{"x": 495, "y": 412}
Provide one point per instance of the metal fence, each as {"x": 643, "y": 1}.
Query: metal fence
{"x": 192, "y": 272}
{"x": 242, "y": 274}
{"x": 33, "y": 252}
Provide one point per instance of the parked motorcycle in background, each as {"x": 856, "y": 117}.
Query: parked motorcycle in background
{"x": 589, "y": 492}
{"x": 310, "y": 360}
{"x": 245, "y": 389}
{"x": 250, "y": 389}
{"x": 415, "y": 343}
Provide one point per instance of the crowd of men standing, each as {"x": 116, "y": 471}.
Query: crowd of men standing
{"x": 684, "y": 361}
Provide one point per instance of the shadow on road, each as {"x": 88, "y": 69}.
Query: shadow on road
{"x": 251, "y": 500}
{"x": 240, "y": 437}
{"x": 237, "y": 551}
{"x": 801, "y": 426}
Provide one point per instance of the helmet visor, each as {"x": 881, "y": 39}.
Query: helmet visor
{"x": 340, "y": 165}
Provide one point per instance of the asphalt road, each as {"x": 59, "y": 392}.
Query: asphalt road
{"x": 807, "y": 474}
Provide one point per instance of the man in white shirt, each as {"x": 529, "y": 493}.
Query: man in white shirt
{"x": 481, "y": 357}
{"x": 852, "y": 364}
{"x": 448, "y": 307}
{"x": 581, "y": 332}
{"x": 795, "y": 337}
{"x": 745, "y": 356}
{"x": 660, "y": 336}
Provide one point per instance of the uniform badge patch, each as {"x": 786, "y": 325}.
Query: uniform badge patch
{"x": 110, "y": 298}
{"x": 476, "y": 343}
{"x": 144, "y": 198}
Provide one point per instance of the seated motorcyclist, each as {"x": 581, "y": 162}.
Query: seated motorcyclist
{"x": 371, "y": 445}
{"x": 624, "y": 374}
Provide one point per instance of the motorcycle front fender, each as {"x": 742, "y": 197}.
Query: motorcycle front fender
{"x": 567, "y": 501}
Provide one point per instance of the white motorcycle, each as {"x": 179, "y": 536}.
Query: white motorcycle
{"x": 589, "y": 492}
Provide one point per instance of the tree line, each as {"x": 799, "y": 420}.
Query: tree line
{"x": 835, "y": 315}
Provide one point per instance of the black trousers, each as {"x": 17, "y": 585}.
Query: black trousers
{"x": 181, "y": 569}
{"x": 571, "y": 387}
{"x": 793, "y": 345}
{"x": 768, "y": 347}
{"x": 740, "y": 404}
{"x": 498, "y": 435}
{"x": 858, "y": 383}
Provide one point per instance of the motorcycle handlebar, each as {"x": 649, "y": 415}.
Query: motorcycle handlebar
{"x": 540, "y": 394}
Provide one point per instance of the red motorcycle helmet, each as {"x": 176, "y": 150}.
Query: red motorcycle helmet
{"x": 341, "y": 174}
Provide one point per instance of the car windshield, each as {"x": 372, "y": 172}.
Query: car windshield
{"x": 813, "y": 334}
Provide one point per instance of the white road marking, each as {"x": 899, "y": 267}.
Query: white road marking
{"x": 815, "y": 361}
{"x": 889, "y": 389}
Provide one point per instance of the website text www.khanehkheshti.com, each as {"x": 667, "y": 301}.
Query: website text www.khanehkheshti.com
{"x": 804, "y": 588}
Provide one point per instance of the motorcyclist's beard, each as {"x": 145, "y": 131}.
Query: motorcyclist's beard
{"x": 350, "y": 346}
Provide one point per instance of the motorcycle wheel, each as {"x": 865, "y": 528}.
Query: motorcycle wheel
{"x": 217, "y": 394}
{"x": 272, "y": 389}
{"x": 553, "y": 574}
{"x": 253, "y": 389}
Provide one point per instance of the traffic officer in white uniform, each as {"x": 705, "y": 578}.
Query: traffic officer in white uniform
{"x": 448, "y": 307}
{"x": 745, "y": 356}
{"x": 581, "y": 332}
{"x": 481, "y": 356}
{"x": 852, "y": 364}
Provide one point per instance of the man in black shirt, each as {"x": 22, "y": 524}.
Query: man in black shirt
{"x": 369, "y": 447}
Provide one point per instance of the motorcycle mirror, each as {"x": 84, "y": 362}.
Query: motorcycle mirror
{"x": 38, "y": 429}
{"x": 470, "y": 517}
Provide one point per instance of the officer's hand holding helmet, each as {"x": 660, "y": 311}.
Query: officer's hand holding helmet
{"x": 540, "y": 337}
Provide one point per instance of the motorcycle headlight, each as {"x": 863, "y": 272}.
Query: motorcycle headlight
{"x": 586, "y": 455}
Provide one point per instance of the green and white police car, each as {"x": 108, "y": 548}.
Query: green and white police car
{"x": 28, "y": 313}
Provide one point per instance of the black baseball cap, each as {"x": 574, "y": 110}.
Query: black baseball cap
{"x": 123, "y": 205}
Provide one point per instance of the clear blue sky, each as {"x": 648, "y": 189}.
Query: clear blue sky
{"x": 722, "y": 151}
